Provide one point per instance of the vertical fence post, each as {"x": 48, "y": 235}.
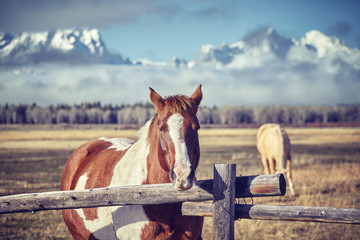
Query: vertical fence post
{"x": 224, "y": 201}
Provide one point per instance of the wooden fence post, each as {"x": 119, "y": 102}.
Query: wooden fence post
{"x": 224, "y": 201}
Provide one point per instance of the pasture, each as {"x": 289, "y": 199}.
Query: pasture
{"x": 326, "y": 166}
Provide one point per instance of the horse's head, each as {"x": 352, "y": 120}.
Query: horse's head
{"x": 176, "y": 128}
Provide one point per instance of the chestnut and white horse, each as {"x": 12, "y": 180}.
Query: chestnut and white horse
{"x": 167, "y": 151}
{"x": 273, "y": 144}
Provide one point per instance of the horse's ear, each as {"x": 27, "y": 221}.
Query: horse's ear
{"x": 197, "y": 96}
{"x": 157, "y": 100}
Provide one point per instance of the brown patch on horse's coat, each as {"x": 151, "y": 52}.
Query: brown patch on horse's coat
{"x": 167, "y": 222}
{"x": 157, "y": 168}
{"x": 95, "y": 159}
{"x": 78, "y": 231}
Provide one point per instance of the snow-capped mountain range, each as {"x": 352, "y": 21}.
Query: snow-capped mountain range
{"x": 68, "y": 45}
{"x": 86, "y": 46}
{"x": 268, "y": 46}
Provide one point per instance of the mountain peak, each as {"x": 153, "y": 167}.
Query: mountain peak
{"x": 266, "y": 44}
{"x": 260, "y": 41}
{"x": 68, "y": 39}
{"x": 270, "y": 41}
{"x": 261, "y": 34}
{"x": 62, "y": 45}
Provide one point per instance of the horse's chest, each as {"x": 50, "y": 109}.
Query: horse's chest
{"x": 124, "y": 222}
{"x": 128, "y": 222}
{"x": 117, "y": 223}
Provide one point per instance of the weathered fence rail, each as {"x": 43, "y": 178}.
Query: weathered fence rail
{"x": 247, "y": 186}
{"x": 282, "y": 213}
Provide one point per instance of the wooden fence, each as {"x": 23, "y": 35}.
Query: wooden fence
{"x": 224, "y": 210}
{"x": 221, "y": 192}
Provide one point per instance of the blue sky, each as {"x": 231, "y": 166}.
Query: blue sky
{"x": 196, "y": 23}
{"x": 159, "y": 30}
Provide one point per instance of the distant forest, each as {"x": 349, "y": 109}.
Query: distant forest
{"x": 139, "y": 113}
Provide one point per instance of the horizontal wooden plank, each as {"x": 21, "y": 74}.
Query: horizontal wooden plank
{"x": 101, "y": 197}
{"x": 126, "y": 195}
{"x": 299, "y": 213}
{"x": 282, "y": 213}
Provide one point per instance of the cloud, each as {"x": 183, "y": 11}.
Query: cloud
{"x": 273, "y": 84}
{"x": 40, "y": 15}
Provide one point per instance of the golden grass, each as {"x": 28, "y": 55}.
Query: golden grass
{"x": 67, "y": 134}
{"x": 324, "y": 135}
{"x": 332, "y": 186}
{"x": 56, "y": 139}
{"x": 70, "y": 139}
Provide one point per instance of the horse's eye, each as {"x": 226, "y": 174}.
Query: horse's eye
{"x": 162, "y": 128}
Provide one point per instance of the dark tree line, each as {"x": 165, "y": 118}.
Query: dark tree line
{"x": 139, "y": 113}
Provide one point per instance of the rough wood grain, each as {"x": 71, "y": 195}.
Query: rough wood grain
{"x": 126, "y": 195}
{"x": 223, "y": 204}
{"x": 299, "y": 213}
{"x": 100, "y": 197}
{"x": 282, "y": 213}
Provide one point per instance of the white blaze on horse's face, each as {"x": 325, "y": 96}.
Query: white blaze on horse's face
{"x": 182, "y": 173}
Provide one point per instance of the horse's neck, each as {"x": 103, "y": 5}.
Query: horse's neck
{"x": 132, "y": 168}
{"x": 140, "y": 163}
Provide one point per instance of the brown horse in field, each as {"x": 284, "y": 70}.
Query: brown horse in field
{"x": 273, "y": 144}
{"x": 167, "y": 151}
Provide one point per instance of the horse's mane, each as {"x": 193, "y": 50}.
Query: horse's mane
{"x": 144, "y": 130}
{"x": 179, "y": 103}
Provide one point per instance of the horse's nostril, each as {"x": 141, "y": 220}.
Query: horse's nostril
{"x": 172, "y": 174}
{"x": 192, "y": 173}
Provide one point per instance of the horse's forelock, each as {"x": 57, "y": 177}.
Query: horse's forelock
{"x": 179, "y": 103}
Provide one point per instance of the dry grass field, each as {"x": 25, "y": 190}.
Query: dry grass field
{"x": 326, "y": 167}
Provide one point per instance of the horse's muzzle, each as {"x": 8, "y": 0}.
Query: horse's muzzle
{"x": 182, "y": 176}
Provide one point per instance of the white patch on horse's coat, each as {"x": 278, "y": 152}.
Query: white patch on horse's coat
{"x": 175, "y": 124}
{"x": 130, "y": 172}
{"x": 120, "y": 144}
{"x": 124, "y": 222}
{"x": 80, "y": 185}
{"x": 132, "y": 168}
{"x": 95, "y": 225}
